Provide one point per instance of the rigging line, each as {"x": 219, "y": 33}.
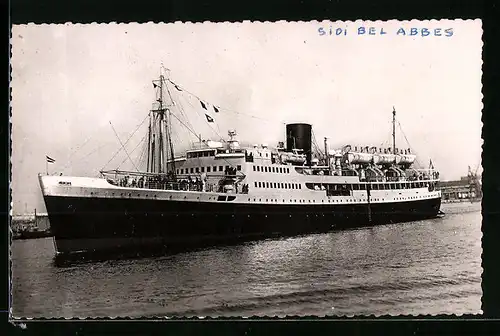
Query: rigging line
{"x": 315, "y": 143}
{"x": 142, "y": 157}
{"x": 404, "y": 135}
{"x": 176, "y": 138}
{"x": 86, "y": 156}
{"x": 181, "y": 109}
{"x": 123, "y": 146}
{"x": 80, "y": 147}
{"x": 220, "y": 108}
{"x": 216, "y": 133}
{"x": 196, "y": 135}
{"x": 130, "y": 137}
{"x": 77, "y": 149}
{"x": 143, "y": 138}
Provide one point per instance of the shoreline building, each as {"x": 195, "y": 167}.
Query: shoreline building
{"x": 465, "y": 189}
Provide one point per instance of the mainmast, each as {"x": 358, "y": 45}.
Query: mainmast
{"x": 161, "y": 112}
{"x": 168, "y": 126}
{"x": 149, "y": 144}
{"x": 393, "y": 130}
{"x": 157, "y": 152}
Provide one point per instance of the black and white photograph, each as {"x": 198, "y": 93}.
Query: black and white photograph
{"x": 246, "y": 169}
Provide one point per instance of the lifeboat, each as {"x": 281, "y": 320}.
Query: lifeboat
{"x": 359, "y": 158}
{"x": 405, "y": 159}
{"x": 293, "y": 158}
{"x": 214, "y": 144}
{"x": 384, "y": 159}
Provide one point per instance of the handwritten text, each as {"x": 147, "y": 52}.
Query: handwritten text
{"x": 362, "y": 30}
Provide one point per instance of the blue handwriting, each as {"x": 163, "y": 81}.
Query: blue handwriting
{"x": 362, "y": 30}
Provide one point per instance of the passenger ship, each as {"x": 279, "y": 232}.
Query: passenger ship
{"x": 222, "y": 191}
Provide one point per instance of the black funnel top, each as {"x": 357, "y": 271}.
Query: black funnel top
{"x": 299, "y": 136}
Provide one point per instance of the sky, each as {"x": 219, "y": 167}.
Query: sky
{"x": 78, "y": 90}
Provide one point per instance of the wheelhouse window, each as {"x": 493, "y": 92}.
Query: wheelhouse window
{"x": 191, "y": 170}
{"x": 221, "y": 168}
{"x": 202, "y": 169}
{"x": 208, "y": 169}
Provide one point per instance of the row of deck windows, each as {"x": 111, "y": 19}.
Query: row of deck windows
{"x": 277, "y": 185}
{"x": 363, "y": 186}
{"x": 200, "y": 154}
{"x": 208, "y": 169}
{"x": 271, "y": 169}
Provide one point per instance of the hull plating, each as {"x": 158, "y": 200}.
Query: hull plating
{"x": 96, "y": 224}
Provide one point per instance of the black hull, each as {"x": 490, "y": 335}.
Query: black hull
{"x": 98, "y": 225}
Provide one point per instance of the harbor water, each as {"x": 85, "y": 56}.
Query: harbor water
{"x": 425, "y": 267}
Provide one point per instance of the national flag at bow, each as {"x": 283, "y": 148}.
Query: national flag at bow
{"x": 209, "y": 118}
{"x": 49, "y": 159}
{"x": 177, "y": 87}
{"x": 431, "y": 166}
{"x": 216, "y": 109}
{"x": 203, "y": 105}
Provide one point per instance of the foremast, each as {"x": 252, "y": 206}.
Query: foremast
{"x": 160, "y": 146}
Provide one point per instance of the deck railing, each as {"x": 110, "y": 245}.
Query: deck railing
{"x": 162, "y": 183}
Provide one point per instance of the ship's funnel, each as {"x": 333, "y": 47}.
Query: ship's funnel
{"x": 299, "y": 136}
